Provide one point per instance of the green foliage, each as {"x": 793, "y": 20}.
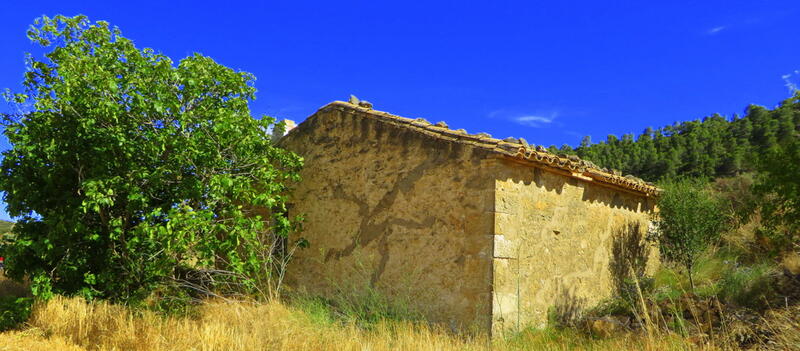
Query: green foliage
{"x": 667, "y": 284}
{"x": 14, "y": 311}
{"x": 722, "y": 274}
{"x": 371, "y": 306}
{"x": 749, "y": 286}
{"x": 689, "y": 220}
{"x": 712, "y": 147}
{"x": 779, "y": 184}
{"x": 126, "y": 169}
{"x": 364, "y": 309}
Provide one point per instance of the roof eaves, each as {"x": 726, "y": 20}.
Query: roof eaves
{"x": 575, "y": 166}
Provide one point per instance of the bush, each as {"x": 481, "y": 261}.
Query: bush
{"x": 365, "y": 308}
{"x": 748, "y": 286}
{"x": 14, "y": 311}
{"x": 690, "y": 219}
{"x": 125, "y": 167}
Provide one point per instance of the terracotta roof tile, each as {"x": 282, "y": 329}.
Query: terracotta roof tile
{"x": 517, "y": 149}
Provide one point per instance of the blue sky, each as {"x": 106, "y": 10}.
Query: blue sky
{"x": 550, "y": 71}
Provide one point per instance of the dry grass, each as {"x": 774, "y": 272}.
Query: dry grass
{"x": 73, "y": 324}
{"x": 34, "y": 340}
{"x": 220, "y": 326}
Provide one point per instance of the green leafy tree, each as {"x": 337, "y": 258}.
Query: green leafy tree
{"x": 689, "y": 220}
{"x": 127, "y": 171}
{"x": 779, "y": 183}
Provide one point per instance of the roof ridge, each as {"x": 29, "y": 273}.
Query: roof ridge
{"x": 514, "y": 148}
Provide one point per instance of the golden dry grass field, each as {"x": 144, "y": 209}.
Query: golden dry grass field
{"x": 74, "y": 324}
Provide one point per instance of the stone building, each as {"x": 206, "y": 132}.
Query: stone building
{"x": 472, "y": 231}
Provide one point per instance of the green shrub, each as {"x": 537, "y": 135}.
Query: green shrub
{"x": 14, "y": 311}
{"x": 690, "y": 219}
{"x": 749, "y": 286}
{"x": 667, "y": 284}
{"x": 365, "y": 307}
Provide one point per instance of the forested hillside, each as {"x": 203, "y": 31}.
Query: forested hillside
{"x": 712, "y": 147}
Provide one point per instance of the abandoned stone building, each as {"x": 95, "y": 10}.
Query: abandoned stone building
{"x": 472, "y": 231}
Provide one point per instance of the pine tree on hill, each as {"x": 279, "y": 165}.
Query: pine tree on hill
{"x": 712, "y": 147}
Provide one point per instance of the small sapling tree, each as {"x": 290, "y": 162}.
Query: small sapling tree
{"x": 689, "y": 219}
{"x": 126, "y": 170}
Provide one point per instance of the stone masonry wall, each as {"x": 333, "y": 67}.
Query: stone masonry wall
{"x": 561, "y": 244}
{"x": 397, "y": 210}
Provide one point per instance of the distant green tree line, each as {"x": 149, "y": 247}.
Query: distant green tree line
{"x": 712, "y": 147}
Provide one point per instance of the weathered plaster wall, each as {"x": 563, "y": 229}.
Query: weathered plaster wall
{"x": 561, "y": 244}
{"x": 405, "y": 212}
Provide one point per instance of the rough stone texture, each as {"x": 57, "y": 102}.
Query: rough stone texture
{"x": 474, "y": 231}
{"x": 562, "y": 244}
{"x": 397, "y": 209}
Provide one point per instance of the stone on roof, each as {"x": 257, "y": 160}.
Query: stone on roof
{"x": 517, "y": 149}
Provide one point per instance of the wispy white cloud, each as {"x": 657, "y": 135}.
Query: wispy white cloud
{"x": 716, "y": 30}
{"x": 534, "y": 121}
{"x": 790, "y": 84}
